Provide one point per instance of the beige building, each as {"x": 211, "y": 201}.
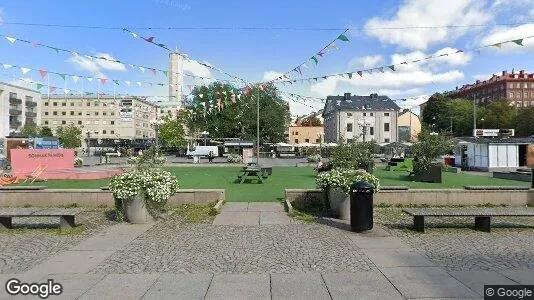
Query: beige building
{"x": 104, "y": 120}
{"x": 18, "y": 106}
{"x": 409, "y": 126}
{"x": 306, "y": 134}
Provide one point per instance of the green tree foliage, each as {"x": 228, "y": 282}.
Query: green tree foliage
{"x": 498, "y": 115}
{"x": 171, "y": 132}
{"x": 428, "y": 148}
{"x": 525, "y": 122}
{"x": 353, "y": 155}
{"x": 29, "y": 129}
{"x": 226, "y": 112}
{"x": 461, "y": 112}
{"x": 46, "y": 131}
{"x": 311, "y": 121}
{"x": 70, "y": 136}
{"x": 437, "y": 113}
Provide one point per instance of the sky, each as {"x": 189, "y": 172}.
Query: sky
{"x": 381, "y": 33}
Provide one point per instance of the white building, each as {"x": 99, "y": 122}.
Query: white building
{"x": 18, "y": 106}
{"x": 176, "y": 81}
{"x": 361, "y": 118}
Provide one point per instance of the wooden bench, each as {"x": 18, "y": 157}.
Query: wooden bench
{"x": 66, "y": 215}
{"x": 482, "y": 215}
{"x": 267, "y": 170}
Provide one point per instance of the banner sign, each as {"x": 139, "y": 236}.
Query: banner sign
{"x": 25, "y": 161}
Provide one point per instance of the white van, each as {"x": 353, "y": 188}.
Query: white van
{"x": 203, "y": 151}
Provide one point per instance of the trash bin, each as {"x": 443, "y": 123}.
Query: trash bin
{"x": 361, "y": 206}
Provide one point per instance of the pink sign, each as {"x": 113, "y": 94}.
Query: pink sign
{"x": 25, "y": 161}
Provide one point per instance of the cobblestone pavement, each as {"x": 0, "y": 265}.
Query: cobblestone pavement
{"x": 33, "y": 240}
{"x": 453, "y": 244}
{"x": 176, "y": 247}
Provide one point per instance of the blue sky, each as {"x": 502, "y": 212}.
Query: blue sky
{"x": 257, "y": 54}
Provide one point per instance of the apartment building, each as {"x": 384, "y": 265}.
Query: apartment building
{"x": 360, "y": 118}
{"x": 18, "y": 106}
{"x": 306, "y": 134}
{"x": 105, "y": 120}
{"x": 516, "y": 88}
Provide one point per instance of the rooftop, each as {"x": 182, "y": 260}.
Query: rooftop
{"x": 511, "y": 140}
{"x": 353, "y": 102}
{"x": 521, "y": 75}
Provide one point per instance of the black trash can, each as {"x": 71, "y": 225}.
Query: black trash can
{"x": 361, "y": 206}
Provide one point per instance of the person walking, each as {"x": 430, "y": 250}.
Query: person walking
{"x": 210, "y": 157}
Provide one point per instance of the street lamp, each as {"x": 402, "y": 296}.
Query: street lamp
{"x": 88, "y": 139}
{"x": 156, "y": 123}
{"x": 364, "y": 124}
{"x": 205, "y": 135}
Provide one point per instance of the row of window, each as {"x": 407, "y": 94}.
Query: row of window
{"x": 524, "y": 104}
{"x": 371, "y": 129}
{"x": 46, "y": 122}
{"x": 518, "y": 85}
{"x": 370, "y": 114}
{"x": 518, "y": 95}
{"x": 317, "y": 141}
{"x": 72, "y": 113}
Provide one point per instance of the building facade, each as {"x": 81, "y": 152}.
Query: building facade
{"x": 306, "y": 134}
{"x": 516, "y": 88}
{"x": 18, "y": 106}
{"x": 360, "y": 118}
{"x": 104, "y": 120}
{"x": 176, "y": 81}
{"x": 409, "y": 126}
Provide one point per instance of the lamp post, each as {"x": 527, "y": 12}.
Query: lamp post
{"x": 156, "y": 123}
{"x": 364, "y": 124}
{"x": 205, "y": 135}
{"x": 88, "y": 139}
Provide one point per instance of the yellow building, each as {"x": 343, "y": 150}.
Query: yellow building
{"x": 409, "y": 126}
{"x": 306, "y": 134}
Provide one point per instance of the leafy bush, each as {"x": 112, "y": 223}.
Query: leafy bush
{"x": 427, "y": 149}
{"x": 234, "y": 158}
{"x": 315, "y": 158}
{"x": 344, "y": 178}
{"x": 354, "y": 155}
{"x": 78, "y": 162}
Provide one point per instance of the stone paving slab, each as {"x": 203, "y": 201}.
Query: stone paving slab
{"x": 520, "y": 276}
{"x": 378, "y": 242}
{"x": 114, "y": 238}
{"x": 475, "y": 280}
{"x": 175, "y": 286}
{"x": 429, "y": 282}
{"x": 71, "y": 262}
{"x": 397, "y": 258}
{"x": 360, "y": 285}
{"x": 235, "y": 206}
{"x": 265, "y": 206}
{"x": 298, "y": 286}
{"x": 74, "y": 285}
{"x": 23, "y": 278}
{"x": 121, "y": 286}
{"x": 237, "y": 218}
{"x": 274, "y": 218}
{"x": 240, "y": 286}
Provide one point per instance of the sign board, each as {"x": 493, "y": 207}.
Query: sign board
{"x": 530, "y": 156}
{"x": 491, "y": 132}
{"x": 25, "y": 161}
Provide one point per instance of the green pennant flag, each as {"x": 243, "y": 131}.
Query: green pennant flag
{"x": 57, "y": 50}
{"x": 62, "y": 76}
{"x": 518, "y": 41}
{"x": 315, "y": 59}
{"x": 165, "y": 72}
{"x": 350, "y": 75}
{"x": 392, "y": 67}
{"x": 39, "y": 86}
{"x": 162, "y": 45}
{"x": 343, "y": 37}
{"x": 116, "y": 81}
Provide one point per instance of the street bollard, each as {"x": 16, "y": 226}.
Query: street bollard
{"x": 361, "y": 206}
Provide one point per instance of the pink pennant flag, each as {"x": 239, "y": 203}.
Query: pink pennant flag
{"x": 321, "y": 53}
{"x": 153, "y": 71}
{"x": 51, "y": 89}
{"x": 149, "y": 39}
{"x": 103, "y": 80}
{"x": 35, "y": 44}
{"x": 43, "y": 73}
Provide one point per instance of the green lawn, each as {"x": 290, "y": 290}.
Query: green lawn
{"x": 282, "y": 178}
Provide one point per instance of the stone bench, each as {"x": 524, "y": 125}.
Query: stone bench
{"x": 482, "y": 215}
{"x": 66, "y": 215}
{"x": 22, "y": 187}
{"x": 496, "y": 188}
{"x": 394, "y": 188}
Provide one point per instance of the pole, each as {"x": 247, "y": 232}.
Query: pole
{"x": 258, "y": 127}
{"x": 474, "y": 117}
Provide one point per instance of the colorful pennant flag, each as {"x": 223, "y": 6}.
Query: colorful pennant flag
{"x": 25, "y": 70}
{"x": 165, "y": 72}
{"x": 139, "y": 83}
{"x": 360, "y": 73}
{"x": 350, "y": 75}
{"x": 116, "y": 81}
{"x": 142, "y": 69}
{"x": 392, "y": 67}
{"x": 66, "y": 91}
{"x": 315, "y": 59}
{"x": 39, "y": 86}
{"x": 149, "y": 39}
{"x": 43, "y": 73}
{"x": 518, "y": 41}
{"x": 103, "y": 80}
{"x": 153, "y": 71}
{"x": 35, "y": 44}
{"x": 11, "y": 39}
{"x": 75, "y": 78}
{"x": 343, "y": 37}
{"x": 498, "y": 45}
{"x": 51, "y": 89}
{"x": 90, "y": 79}
{"x": 127, "y": 82}
{"x": 6, "y": 66}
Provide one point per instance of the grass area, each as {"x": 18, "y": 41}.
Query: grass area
{"x": 282, "y": 178}
{"x": 195, "y": 213}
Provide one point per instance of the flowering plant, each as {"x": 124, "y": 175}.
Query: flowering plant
{"x": 314, "y": 158}
{"x": 343, "y": 179}
{"x": 234, "y": 158}
{"x": 155, "y": 185}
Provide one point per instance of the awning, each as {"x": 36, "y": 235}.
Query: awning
{"x": 238, "y": 144}
{"x": 281, "y": 144}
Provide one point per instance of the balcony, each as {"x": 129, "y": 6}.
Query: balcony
{"x": 14, "y": 101}
{"x": 15, "y": 112}
{"x": 31, "y": 114}
{"x": 31, "y": 103}
{"x": 14, "y": 123}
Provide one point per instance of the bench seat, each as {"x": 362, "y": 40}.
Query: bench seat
{"x": 482, "y": 215}
{"x": 66, "y": 215}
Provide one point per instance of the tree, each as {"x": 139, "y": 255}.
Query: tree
{"x": 461, "y": 112}
{"x": 311, "y": 121}
{"x": 498, "y": 115}
{"x": 525, "y": 122}
{"x": 226, "y": 112}
{"x": 70, "y": 136}
{"x": 427, "y": 149}
{"x": 46, "y": 131}
{"x": 436, "y": 114}
{"x": 29, "y": 129}
{"x": 171, "y": 132}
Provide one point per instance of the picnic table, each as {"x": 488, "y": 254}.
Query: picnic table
{"x": 251, "y": 172}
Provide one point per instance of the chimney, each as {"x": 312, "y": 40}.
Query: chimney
{"x": 374, "y": 95}
{"x": 521, "y": 73}
{"x": 504, "y": 73}
{"x": 346, "y": 96}
{"x": 478, "y": 81}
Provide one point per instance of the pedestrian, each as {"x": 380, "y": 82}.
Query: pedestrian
{"x": 210, "y": 157}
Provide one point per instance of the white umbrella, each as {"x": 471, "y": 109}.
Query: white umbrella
{"x": 282, "y": 144}
{"x": 307, "y": 145}
{"x": 330, "y": 144}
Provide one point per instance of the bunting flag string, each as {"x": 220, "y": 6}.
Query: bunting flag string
{"x": 320, "y": 53}
{"x": 393, "y": 68}
{"x": 92, "y": 57}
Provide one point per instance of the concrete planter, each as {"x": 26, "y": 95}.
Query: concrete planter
{"x": 339, "y": 203}
{"x": 135, "y": 211}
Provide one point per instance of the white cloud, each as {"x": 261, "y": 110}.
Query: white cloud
{"x": 366, "y": 62}
{"x": 96, "y": 66}
{"x": 270, "y": 75}
{"x": 501, "y": 34}
{"x": 413, "y": 13}
{"x": 108, "y": 64}
{"x": 196, "y": 69}
{"x": 482, "y": 76}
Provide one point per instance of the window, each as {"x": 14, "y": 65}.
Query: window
{"x": 55, "y": 113}
{"x": 307, "y": 140}
{"x": 112, "y": 113}
{"x": 46, "y": 113}
{"x": 112, "y": 122}
{"x": 112, "y": 132}
{"x": 104, "y": 122}
{"x": 46, "y": 103}
{"x": 46, "y": 122}
{"x": 79, "y": 122}
{"x": 511, "y": 95}
{"x": 386, "y": 127}
{"x": 87, "y": 113}
{"x": 518, "y": 95}
{"x": 64, "y": 104}
{"x": 317, "y": 141}
{"x": 63, "y": 122}
{"x": 525, "y": 85}
{"x": 103, "y": 132}
{"x": 371, "y": 131}
{"x": 386, "y": 114}
{"x": 63, "y": 113}
{"x": 525, "y": 95}
{"x": 54, "y": 122}
{"x": 349, "y": 127}
{"x": 96, "y": 122}
{"x": 518, "y": 85}
{"x": 96, "y": 113}
{"x": 349, "y": 115}
{"x": 55, "y": 103}
{"x": 104, "y": 113}
{"x": 72, "y": 113}
{"x": 525, "y": 104}
{"x": 510, "y": 85}
{"x": 364, "y": 114}
{"x": 87, "y": 122}
{"x": 72, "y": 104}
{"x": 296, "y": 141}
{"x": 79, "y": 113}
{"x": 296, "y": 133}
{"x": 386, "y": 140}
{"x": 372, "y": 114}
{"x": 88, "y": 103}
